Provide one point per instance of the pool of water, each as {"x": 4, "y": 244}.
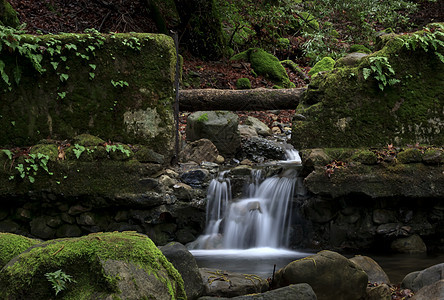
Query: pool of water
{"x": 261, "y": 261}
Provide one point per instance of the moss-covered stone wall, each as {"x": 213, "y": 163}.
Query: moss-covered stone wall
{"x": 115, "y": 86}
{"x": 347, "y": 107}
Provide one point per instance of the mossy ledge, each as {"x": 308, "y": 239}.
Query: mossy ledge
{"x": 115, "y": 86}
{"x": 87, "y": 259}
{"x": 342, "y": 109}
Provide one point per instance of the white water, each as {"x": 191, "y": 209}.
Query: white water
{"x": 260, "y": 220}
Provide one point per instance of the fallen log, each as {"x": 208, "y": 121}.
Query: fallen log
{"x": 235, "y": 100}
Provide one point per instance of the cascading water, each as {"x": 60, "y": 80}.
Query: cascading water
{"x": 260, "y": 220}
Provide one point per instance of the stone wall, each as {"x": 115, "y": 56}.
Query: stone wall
{"x": 115, "y": 86}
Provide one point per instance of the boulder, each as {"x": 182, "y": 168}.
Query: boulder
{"x": 230, "y": 284}
{"x": 412, "y": 244}
{"x": 350, "y": 60}
{"x": 199, "y": 151}
{"x": 379, "y": 292}
{"x": 185, "y": 263}
{"x": 434, "y": 291}
{"x": 247, "y": 131}
{"x": 351, "y": 106}
{"x": 301, "y": 291}
{"x": 258, "y": 149}
{"x": 374, "y": 271}
{"x": 419, "y": 279}
{"x": 220, "y": 127}
{"x": 124, "y": 265}
{"x": 260, "y": 127}
{"x": 331, "y": 275}
{"x": 195, "y": 178}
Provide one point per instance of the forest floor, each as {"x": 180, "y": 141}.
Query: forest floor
{"x": 55, "y": 16}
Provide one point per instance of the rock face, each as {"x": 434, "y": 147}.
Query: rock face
{"x": 331, "y": 276}
{"x": 417, "y": 280}
{"x": 374, "y": 271}
{"x": 346, "y": 107}
{"x": 106, "y": 265}
{"x": 185, "y": 263}
{"x": 229, "y": 284}
{"x": 130, "y": 101}
{"x": 220, "y": 127}
{"x": 301, "y": 291}
{"x": 434, "y": 291}
{"x": 412, "y": 244}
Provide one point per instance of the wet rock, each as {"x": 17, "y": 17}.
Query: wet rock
{"x": 195, "y": 178}
{"x": 68, "y": 230}
{"x": 148, "y": 199}
{"x": 412, "y": 244}
{"x": 242, "y": 170}
{"x": 260, "y": 127}
{"x": 218, "y": 126}
{"x": 258, "y": 149}
{"x": 86, "y": 219}
{"x": 230, "y": 284}
{"x": 78, "y": 209}
{"x": 374, "y": 271}
{"x": 382, "y": 216}
{"x": 247, "y": 132}
{"x": 301, "y": 291}
{"x": 391, "y": 229}
{"x": 182, "y": 191}
{"x": 185, "y": 263}
{"x": 380, "y": 292}
{"x": 319, "y": 210}
{"x": 331, "y": 275}
{"x": 167, "y": 181}
{"x": 199, "y": 151}
{"x": 40, "y": 229}
{"x": 434, "y": 291}
{"x": 415, "y": 281}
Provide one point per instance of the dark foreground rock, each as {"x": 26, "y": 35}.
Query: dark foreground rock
{"x": 374, "y": 271}
{"x": 103, "y": 266}
{"x": 220, "y": 283}
{"x": 434, "y": 291}
{"x": 301, "y": 291}
{"x": 331, "y": 275}
{"x": 185, "y": 263}
{"x": 419, "y": 279}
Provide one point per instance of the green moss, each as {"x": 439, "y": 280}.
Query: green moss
{"x": 410, "y": 155}
{"x": 79, "y": 257}
{"x": 354, "y": 112}
{"x": 433, "y": 156}
{"x": 46, "y": 149}
{"x": 325, "y": 64}
{"x": 243, "y": 84}
{"x": 88, "y": 140}
{"x": 359, "y": 48}
{"x": 366, "y": 157}
{"x": 145, "y": 154}
{"x": 340, "y": 154}
{"x": 266, "y": 64}
{"x": 12, "y": 245}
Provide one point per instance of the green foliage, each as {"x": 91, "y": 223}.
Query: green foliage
{"x": 78, "y": 150}
{"x": 431, "y": 38}
{"x": 381, "y": 70}
{"x": 203, "y": 118}
{"x": 58, "y": 279}
{"x": 32, "y": 164}
{"x": 359, "y": 48}
{"x": 120, "y": 83}
{"x": 118, "y": 147}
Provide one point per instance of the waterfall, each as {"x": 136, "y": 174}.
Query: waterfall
{"x": 261, "y": 219}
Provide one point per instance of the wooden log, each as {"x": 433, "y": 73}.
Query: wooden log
{"x": 235, "y": 100}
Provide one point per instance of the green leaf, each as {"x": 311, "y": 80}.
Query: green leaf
{"x": 64, "y": 77}
{"x": 54, "y": 64}
{"x": 31, "y": 179}
{"x": 63, "y": 58}
{"x": 366, "y": 73}
{"x": 92, "y": 75}
{"x": 17, "y": 74}
{"x": 92, "y": 66}
{"x": 440, "y": 56}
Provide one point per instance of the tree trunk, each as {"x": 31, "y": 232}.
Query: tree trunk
{"x": 256, "y": 99}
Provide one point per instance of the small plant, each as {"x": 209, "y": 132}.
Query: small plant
{"x": 430, "y": 39}
{"x": 58, "y": 279}
{"x": 118, "y": 147}
{"x": 203, "y": 118}
{"x": 33, "y": 163}
{"x": 119, "y": 83}
{"x": 382, "y": 71}
{"x": 78, "y": 150}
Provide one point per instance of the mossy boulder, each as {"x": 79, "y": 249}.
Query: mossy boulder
{"x": 410, "y": 155}
{"x": 118, "y": 265}
{"x": 12, "y": 245}
{"x": 49, "y": 150}
{"x": 343, "y": 109}
{"x": 266, "y": 64}
{"x": 359, "y": 48}
{"x": 8, "y": 16}
{"x": 325, "y": 64}
{"x": 365, "y": 157}
{"x": 243, "y": 84}
{"x": 117, "y": 86}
